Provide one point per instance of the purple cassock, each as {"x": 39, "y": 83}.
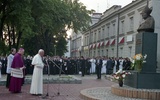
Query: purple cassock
{"x": 16, "y": 83}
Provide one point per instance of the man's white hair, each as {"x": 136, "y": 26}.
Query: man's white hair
{"x": 40, "y": 50}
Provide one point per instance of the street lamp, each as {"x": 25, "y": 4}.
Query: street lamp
{"x": 54, "y": 36}
{"x": 55, "y": 47}
{"x": 55, "y": 50}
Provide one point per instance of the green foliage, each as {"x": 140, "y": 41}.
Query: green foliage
{"x": 3, "y": 48}
{"x": 33, "y": 23}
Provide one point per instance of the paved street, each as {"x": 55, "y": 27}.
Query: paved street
{"x": 67, "y": 91}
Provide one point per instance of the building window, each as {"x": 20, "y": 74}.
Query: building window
{"x": 122, "y": 27}
{"x": 99, "y": 35}
{"x": 91, "y": 54}
{"x": 114, "y": 29}
{"x": 130, "y": 52}
{"x": 80, "y": 42}
{"x": 94, "y": 53}
{"x": 103, "y": 34}
{"x": 102, "y": 53}
{"x": 121, "y": 52}
{"x": 107, "y": 52}
{"x": 88, "y": 40}
{"x": 131, "y": 23}
{"x": 98, "y": 53}
{"x": 85, "y": 40}
{"x": 108, "y": 31}
{"x": 112, "y": 53}
{"x": 74, "y": 44}
{"x": 95, "y": 37}
{"x": 90, "y": 35}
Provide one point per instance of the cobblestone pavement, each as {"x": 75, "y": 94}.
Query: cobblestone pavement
{"x": 67, "y": 91}
{"x": 104, "y": 93}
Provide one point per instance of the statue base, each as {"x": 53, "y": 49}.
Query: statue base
{"x": 146, "y": 43}
{"x": 143, "y": 80}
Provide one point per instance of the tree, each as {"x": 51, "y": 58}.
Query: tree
{"x": 33, "y": 23}
{"x": 16, "y": 22}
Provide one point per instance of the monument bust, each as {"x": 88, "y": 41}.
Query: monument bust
{"x": 148, "y": 24}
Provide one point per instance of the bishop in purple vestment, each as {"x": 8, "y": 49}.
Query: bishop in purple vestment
{"x": 16, "y": 83}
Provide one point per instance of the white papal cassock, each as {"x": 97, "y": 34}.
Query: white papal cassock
{"x": 37, "y": 78}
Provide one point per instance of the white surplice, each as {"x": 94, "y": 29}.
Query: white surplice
{"x": 114, "y": 68}
{"x": 93, "y": 65}
{"x": 121, "y": 64}
{"x": 104, "y": 63}
{"x": 37, "y": 78}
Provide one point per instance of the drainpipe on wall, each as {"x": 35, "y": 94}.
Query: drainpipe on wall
{"x": 89, "y": 41}
{"x": 118, "y": 35}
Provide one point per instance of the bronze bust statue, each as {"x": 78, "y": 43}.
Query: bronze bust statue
{"x": 149, "y": 23}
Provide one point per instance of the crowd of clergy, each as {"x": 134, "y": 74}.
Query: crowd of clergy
{"x": 74, "y": 65}
{"x": 17, "y": 66}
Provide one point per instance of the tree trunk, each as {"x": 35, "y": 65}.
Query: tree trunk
{"x": 18, "y": 39}
{"x": 9, "y": 35}
{"x": 13, "y": 36}
{"x": 2, "y": 11}
{"x": 1, "y": 27}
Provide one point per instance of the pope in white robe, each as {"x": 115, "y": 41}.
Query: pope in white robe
{"x": 37, "y": 78}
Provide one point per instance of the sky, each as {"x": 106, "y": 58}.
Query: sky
{"x": 102, "y": 5}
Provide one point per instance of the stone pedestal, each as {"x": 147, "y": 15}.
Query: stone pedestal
{"x": 143, "y": 80}
{"x": 155, "y": 13}
{"x": 146, "y": 43}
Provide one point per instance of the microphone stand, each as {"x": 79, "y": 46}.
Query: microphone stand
{"x": 47, "y": 94}
{"x": 57, "y": 67}
{"x": 60, "y": 71}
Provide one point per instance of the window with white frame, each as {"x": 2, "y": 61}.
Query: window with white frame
{"x": 77, "y": 42}
{"x": 98, "y": 54}
{"x": 108, "y": 31}
{"x": 112, "y": 53}
{"x": 122, "y": 27}
{"x": 91, "y": 37}
{"x": 99, "y": 35}
{"x": 113, "y": 29}
{"x": 80, "y": 42}
{"x": 121, "y": 52}
{"x": 95, "y": 37}
{"x": 106, "y": 52}
{"x": 86, "y": 40}
{"x": 90, "y": 53}
{"x": 103, "y": 34}
{"x": 74, "y": 43}
{"x": 130, "y": 52}
{"x": 131, "y": 23}
{"x": 102, "y": 53}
